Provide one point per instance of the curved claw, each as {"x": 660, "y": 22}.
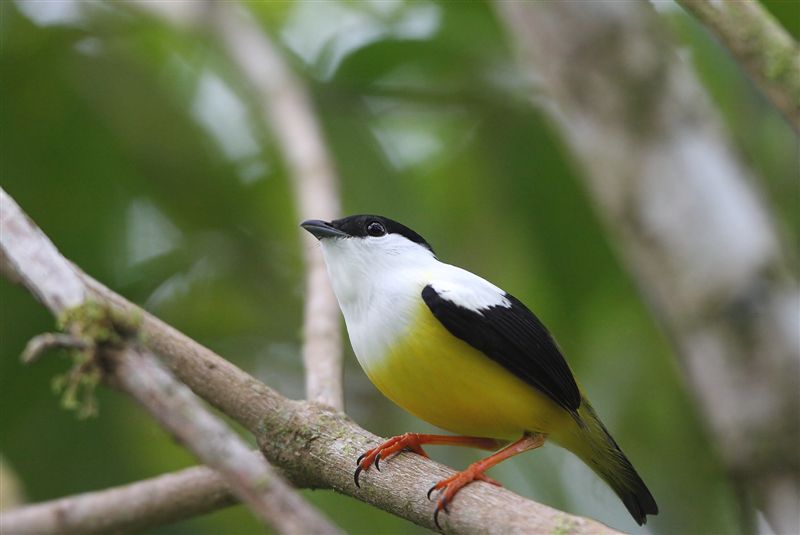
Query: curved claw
{"x": 360, "y": 457}
{"x": 441, "y": 506}
{"x": 355, "y": 476}
{"x": 378, "y": 462}
{"x": 436, "y": 516}
{"x": 449, "y": 487}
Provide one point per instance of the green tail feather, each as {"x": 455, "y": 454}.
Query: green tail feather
{"x": 594, "y": 445}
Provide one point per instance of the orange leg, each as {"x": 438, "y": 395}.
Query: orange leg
{"x": 449, "y": 487}
{"x": 414, "y": 442}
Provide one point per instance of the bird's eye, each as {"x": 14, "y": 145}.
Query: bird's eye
{"x": 375, "y": 229}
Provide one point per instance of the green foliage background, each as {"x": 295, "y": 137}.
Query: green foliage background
{"x": 141, "y": 152}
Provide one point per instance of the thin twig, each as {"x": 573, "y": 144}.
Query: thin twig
{"x": 317, "y": 448}
{"x": 42, "y": 343}
{"x": 763, "y": 48}
{"x": 687, "y": 221}
{"x": 288, "y": 110}
{"x": 124, "y": 509}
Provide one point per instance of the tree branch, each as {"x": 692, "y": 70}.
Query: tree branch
{"x": 138, "y": 372}
{"x": 764, "y": 49}
{"x": 288, "y": 110}
{"x": 178, "y": 410}
{"x": 687, "y": 222}
{"x": 29, "y": 258}
{"x": 125, "y": 509}
{"x": 317, "y": 447}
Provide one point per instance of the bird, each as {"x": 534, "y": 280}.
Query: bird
{"x": 460, "y": 353}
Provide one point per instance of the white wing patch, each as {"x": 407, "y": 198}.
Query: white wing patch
{"x": 468, "y": 290}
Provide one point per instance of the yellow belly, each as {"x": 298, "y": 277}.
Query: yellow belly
{"x": 446, "y": 382}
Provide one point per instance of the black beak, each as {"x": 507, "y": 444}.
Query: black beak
{"x": 321, "y": 229}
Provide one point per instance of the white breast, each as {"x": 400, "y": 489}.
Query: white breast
{"x": 384, "y": 315}
{"x": 379, "y": 289}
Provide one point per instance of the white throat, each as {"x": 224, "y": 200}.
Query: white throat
{"x": 378, "y": 283}
{"x": 365, "y": 270}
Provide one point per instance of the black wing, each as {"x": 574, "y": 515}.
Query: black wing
{"x": 514, "y": 338}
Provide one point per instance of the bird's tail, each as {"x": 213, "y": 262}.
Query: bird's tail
{"x": 594, "y": 445}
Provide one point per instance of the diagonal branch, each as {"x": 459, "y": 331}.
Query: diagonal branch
{"x": 763, "y": 48}
{"x": 178, "y": 410}
{"x": 317, "y": 447}
{"x": 137, "y": 372}
{"x": 29, "y": 258}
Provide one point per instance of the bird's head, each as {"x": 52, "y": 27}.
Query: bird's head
{"x": 361, "y": 248}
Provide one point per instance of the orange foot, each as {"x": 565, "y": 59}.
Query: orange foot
{"x": 475, "y": 472}
{"x": 406, "y": 441}
{"x": 449, "y": 488}
{"x": 414, "y": 442}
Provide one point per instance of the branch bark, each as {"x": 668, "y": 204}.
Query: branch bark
{"x": 27, "y": 252}
{"x": 125, "y": 509}
{"x": 316, "y": 447}
{"x": 178, "y": 410}
{"x": 29, "y": 258}
{"x": 288, "y": 110}
{"x": 687, "y": 222}
{"x": 764, "y": 49}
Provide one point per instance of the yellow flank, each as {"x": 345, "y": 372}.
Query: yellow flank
{"x": 448, "y": 383}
